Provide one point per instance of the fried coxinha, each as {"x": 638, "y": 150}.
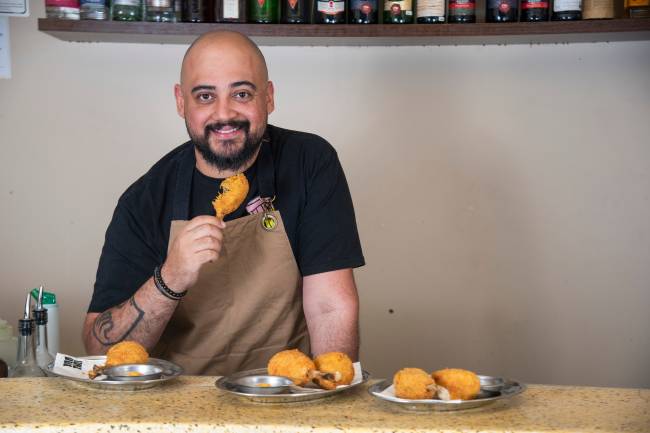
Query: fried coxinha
{"x": 445, "y": 384}
{"x": 327, "y": 370}
{"x": 125, "y": 352}
{"x": 233, "y": 191}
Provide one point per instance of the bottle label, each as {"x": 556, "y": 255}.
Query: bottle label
{"x": 638, "y": 3}
{"x": 231, "y": 9}
{"x": 431, "y": 8}
{"x": 462, "y": 5}
{"x": 127, "y": 2}
{"x": 397, "y": 7}
{"x": 598, "y": 9}
{"x": 331, "y": 7}
{"x": 62, "y": 3}
{"x": 364, "y": 6}
{"x": 567, "y": 5}
{"x": 504, "y": 6}
{"x": 534, "y": 5}
{"x": 83, "y": 3}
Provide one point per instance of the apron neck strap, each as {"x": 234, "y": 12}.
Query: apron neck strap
{"x": 183, "y": 189}
{"x": 265, "y": 169}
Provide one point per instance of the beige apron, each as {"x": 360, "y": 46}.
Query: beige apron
{"x": 246, "y": 306}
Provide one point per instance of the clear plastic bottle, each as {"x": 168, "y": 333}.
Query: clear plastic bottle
{"x": 43, "y": 356}
{"x": 26, "y": 365}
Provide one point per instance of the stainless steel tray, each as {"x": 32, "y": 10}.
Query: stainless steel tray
{"x": 492, "y": 389}
{"x": 291, "y": 395}
{"x": 170, "y": 371}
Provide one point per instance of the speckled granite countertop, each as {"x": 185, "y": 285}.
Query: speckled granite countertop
{"x": 193, "y": 404}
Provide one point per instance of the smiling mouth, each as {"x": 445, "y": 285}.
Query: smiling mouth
{"x": 228, "y": 130}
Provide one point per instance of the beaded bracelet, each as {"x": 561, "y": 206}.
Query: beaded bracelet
{"x": 163, "y": 288}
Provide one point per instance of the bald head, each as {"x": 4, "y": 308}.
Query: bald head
{"x": 227, "y": 45}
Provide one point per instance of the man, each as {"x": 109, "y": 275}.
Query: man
{"x": 277, "y": 274}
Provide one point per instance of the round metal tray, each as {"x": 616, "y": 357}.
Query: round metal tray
{"x": 170, "y": 371}
{"x": 492, "y": 389}
{"x": 291, "y": 395}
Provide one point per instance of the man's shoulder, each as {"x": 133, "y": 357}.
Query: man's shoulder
{"x": 299, "y": 141}
{"x": 158, "y": 177}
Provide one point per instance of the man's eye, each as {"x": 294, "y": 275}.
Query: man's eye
{"x": 242, "y": 94}
{"x": 204, "y": 97}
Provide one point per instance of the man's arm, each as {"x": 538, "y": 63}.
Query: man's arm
{"x": 331, "y": 306}
{"x": 143, "y": 317}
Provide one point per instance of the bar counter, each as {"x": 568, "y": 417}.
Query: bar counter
{"x": 194, "y": 404}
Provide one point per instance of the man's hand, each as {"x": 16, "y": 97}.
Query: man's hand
{"x": 199, "y": 242}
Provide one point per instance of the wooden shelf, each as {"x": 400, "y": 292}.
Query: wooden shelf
{"x": 350, "y": 34}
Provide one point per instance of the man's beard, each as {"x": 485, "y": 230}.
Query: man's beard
{"x": 234, "y": 161}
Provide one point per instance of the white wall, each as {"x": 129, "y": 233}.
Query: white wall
{"x": 502, "y": 192}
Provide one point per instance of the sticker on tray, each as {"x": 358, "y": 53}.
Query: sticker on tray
{"x": 70, "y": 366}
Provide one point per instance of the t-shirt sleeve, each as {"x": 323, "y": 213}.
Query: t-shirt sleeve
{"x": 126, "y": 262}
{"x": 328, "y": 239}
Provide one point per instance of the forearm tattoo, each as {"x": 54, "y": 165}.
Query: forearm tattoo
{"x": 104, "y": 324}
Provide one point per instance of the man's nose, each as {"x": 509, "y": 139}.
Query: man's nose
{"x": 224, "y": 110}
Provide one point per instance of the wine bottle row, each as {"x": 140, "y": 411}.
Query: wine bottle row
{"x": 338, "y": 11}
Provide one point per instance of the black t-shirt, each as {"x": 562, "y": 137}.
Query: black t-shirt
{"x": 311, "y": 194}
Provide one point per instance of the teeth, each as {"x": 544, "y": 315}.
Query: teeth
{"x": 228, "y": 130}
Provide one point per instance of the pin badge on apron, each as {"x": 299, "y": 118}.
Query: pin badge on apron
{"x": 265, "y": 205}
{"x": 269, "y": 223}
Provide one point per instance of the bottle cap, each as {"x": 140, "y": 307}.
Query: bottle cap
{"x": 48, "y": 298}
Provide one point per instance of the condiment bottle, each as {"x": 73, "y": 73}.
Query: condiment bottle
{"x": 26, "y": 365}
{"x": 43, "y": 356}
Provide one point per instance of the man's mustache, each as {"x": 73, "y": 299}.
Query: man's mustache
{"x": 241, "y": 124}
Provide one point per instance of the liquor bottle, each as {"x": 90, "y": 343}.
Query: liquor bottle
{"x": 230, "y": 11}
{"x": 430, "y": 11}
{"x": 263, "y": 11}
{"x": 597, "y": 9}
{"x": 43, "y": 356}
{"x": 62, "y": 9}
{"x": 501, "y": 11}
{"x": 93, "y": 9}
{"x": 159, "y": 11}
{"x": 534, "y": 10}
{"x": 198, "y": 11}
{"x": 126, "y": 10}
{"x": 462, "y": 11}
{"x": 178, "y": 11}
{"x": 398, "y": 11}
{"x": 294, "y": 11}
{"x": 637, "y": 8}
{"x": 329, "y": 12}
{"x": 567, "y": 10}
{"x": 26, "y": 365}
{"x": 363, "y": 12}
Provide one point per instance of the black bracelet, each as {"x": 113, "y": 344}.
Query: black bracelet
{"x": 163, "y": 288}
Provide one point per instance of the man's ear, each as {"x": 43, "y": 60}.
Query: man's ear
{"x": 180, "y": 102}
{"x": 270, "y": 101}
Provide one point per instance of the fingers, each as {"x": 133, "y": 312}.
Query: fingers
{"x": 207, "y": 243}
{"x": 204, "y": 230}
{"x": 202, "y": 220}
